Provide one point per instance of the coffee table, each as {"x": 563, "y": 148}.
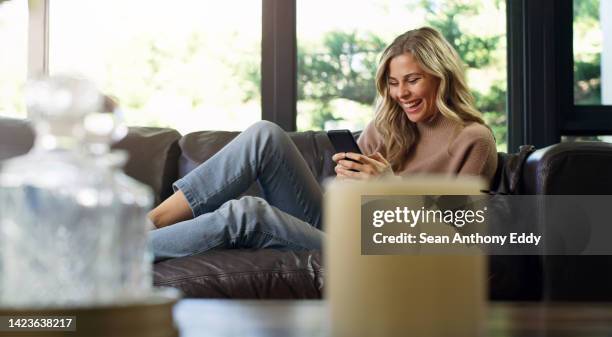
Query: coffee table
{"x": 308, "y": 318}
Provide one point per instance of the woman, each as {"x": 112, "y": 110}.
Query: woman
{"x": 425, "y": 122}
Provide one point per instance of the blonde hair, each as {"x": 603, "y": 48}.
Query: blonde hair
{"x": 453, "y": 100}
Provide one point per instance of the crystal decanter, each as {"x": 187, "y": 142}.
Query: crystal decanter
{"x": 73, "y": 226}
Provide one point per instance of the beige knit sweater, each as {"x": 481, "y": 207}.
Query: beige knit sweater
{"x": 444, "y": 147}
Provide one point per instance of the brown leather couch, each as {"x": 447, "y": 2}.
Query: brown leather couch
{"x": 160, "y": 156}
{"x": 263, "y": 273}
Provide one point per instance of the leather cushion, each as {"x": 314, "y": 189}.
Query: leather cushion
{"x": 242, "y": 273}
{"x": 315, "y": 147}
{"x": 16, "y": 137}
{"x": 154, "y": 154}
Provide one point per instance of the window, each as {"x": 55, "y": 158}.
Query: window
{"x": 592, "y": 77}
{"x": 584, "y": 67}
{"x": 606, "y": 139}
{"x": 13, "y": 58}
{"x": 190, "y": 65}
{"x": 338, "y": 52}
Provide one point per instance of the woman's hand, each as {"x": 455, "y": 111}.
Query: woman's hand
{"x": 366, "y": 167}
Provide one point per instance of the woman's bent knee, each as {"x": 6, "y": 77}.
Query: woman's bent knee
{"x": 268, "y": 127}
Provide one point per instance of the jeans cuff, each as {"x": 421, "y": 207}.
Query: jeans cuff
{"x": 194, "y": 203}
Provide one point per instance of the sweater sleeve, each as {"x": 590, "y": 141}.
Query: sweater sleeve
{"x": 479, "y": 159}
{"x": 477, "y": 154}
{"x": 370, "y": 140}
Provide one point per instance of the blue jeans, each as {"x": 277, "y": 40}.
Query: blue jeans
{"x": 288, "y": 218}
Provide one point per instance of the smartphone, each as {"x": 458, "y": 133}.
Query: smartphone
{"x": 343, "y": 141}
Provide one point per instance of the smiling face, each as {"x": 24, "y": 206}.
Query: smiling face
{"x": 412, "y": 88}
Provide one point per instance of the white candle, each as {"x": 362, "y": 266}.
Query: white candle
{"x": 398, "y": 295}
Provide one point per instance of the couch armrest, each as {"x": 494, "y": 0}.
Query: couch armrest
{"x": 580, "y": 168}
{"x": 577, "y": 168}
{"x": 16, "y": 137}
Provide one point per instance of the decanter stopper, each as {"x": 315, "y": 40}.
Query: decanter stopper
{"x": 58, "y": 106}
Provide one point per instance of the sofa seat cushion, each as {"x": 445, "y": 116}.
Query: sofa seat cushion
{"x": 244, "y": 273}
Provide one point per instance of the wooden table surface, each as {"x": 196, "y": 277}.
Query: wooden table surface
{"x": 220, "y": 318}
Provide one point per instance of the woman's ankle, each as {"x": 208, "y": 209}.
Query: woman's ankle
{"x": 155, "y": 217}
{"x": 170, "y": 211}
